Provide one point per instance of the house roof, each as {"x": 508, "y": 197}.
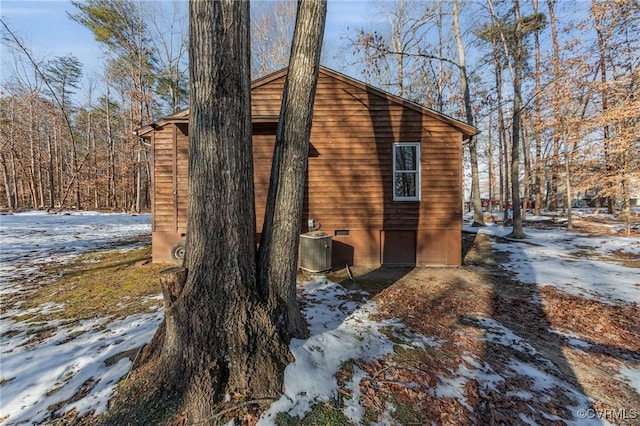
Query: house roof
{"x": 183, "y": 116}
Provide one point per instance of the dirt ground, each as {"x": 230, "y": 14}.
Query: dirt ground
{"x": 460, "y": 307}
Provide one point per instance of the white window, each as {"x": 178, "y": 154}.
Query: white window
{"x": 406, "y": 171}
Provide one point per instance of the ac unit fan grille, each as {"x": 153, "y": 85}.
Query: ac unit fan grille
{"x": 315, "y": 251}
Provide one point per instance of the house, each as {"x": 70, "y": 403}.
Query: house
{"x": 384, "y": 177}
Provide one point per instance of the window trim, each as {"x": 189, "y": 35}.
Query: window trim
{"x": 418, "y": 172}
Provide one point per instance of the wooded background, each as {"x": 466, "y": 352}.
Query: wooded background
{"x": 564, "y": 74}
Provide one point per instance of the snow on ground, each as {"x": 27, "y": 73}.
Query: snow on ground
{"x": 39, "y": 375}
{"x": 34, "y": 377}
{"x": 573, "y": 262}
{"x": 341, "y": 330}
{"x": 35, "y": 237}
{"x": 551, "y": 257}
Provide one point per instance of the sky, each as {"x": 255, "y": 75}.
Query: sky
{"x": 46, "y": 29}
{"x": 342, "y": 325}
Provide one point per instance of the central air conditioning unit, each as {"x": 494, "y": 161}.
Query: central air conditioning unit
{"x": 315, "y": 251}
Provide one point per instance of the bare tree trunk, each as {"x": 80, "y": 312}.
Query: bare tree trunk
{"x": 396, "y": 40}
{"x": 14, "y": 178}
{"x": 503, "y": 153}
{"x": 6, "y": 181}
{"x": 478, "y": 218}
{"x": 32, "y": 159}
{"x": 501, "y": 174}
{"x": 441, "y": 77}
{"x": 62, "y": 181}
{"x": 112, "y": 200}
{"x": 278, "y": 254}
{"x": 558, "y": 121}
{"x": 527, "y": 170}
{"x": 76, "y": 172}
{"x": 94, "y": 150}
{"x": 625, "y": 213}
{"x": 602, "y": 49}
{"x": 57, "y": 148}
{"x": 138, "y": 181}
{"x": 567, "y": 181}
{"x": 517, "y": 231}
{"x": 491, "y": 164}
{"x": 39, "y": 176}
{"x": 50, "y": 173}
{"x": 555, "y": 165}
{"x": 538, "y": 172}
{"x": 10, "y": 189}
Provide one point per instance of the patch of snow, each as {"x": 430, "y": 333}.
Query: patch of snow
{"x": 35, "y": 237}
{"x": 38, "y": 372}
{"x": 556, "y": 257}
{"x": 54, "y": 370}
{"x": 545, "y": 382}
{"x": 386, "y": 418}
{"x": 631, "y": 375}
{"x": 454, "y": 386}
{"x": 341, "y": 329}
{"x": 353, "y": 409}
{"x": 527, "y": 420}
{"x": 572, "y": 339}
{"x": 498, "y": 333}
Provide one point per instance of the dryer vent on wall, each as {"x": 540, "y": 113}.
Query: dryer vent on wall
{"x": 315, "y": 251}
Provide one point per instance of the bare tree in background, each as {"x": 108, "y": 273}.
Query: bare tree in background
{"x": 272, "y": 25}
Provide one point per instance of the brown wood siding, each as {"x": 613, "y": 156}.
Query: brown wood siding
{"x": 349, "y": 184}
{"x": 182, "y": 166}
{"x": 350, "y": 168}
{"x": 262, "y": 155}
{"x": 163, "y": 175}
{"x": 170, "y": 161}
{"x": 351, "y": 177}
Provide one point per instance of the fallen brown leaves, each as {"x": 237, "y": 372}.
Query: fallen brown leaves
{"x": 616, "y": 327}
{"x": 446, "y": 303}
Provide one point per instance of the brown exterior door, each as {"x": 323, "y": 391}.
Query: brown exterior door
{"x": 398, "y": 247}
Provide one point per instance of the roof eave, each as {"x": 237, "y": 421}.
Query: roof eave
{"x": 467, "y": 130}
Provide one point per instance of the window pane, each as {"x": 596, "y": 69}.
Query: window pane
{"x": 405, "y": 184}
{"x": 406, "y": 158}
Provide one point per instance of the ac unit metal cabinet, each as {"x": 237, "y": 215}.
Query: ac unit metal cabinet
{"x": 315, "y": 251}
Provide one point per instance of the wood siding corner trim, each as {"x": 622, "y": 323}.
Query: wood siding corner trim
{"x": 175, "y": 176}
{"x": 153, "y": 180}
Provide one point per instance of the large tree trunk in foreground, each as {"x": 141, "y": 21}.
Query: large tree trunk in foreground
{"x": 218, "y": 335}
{"x": 278, "y": 256}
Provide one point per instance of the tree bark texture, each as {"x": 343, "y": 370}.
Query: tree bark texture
{"x": 538, "y": 169}
{"x": 518, "y": 54}
{"x": 478, "y": 216}
{"x": 602, "y": 51}
{"x": 222, "y": 338}
{"x": 278, "y": 255}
